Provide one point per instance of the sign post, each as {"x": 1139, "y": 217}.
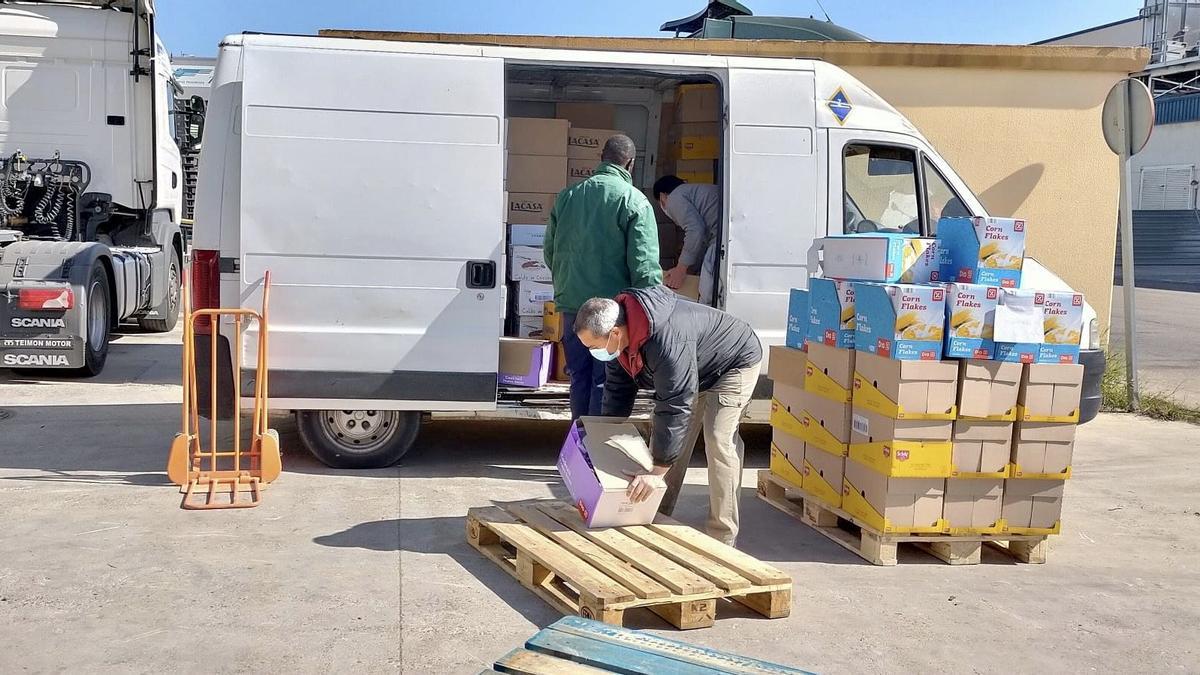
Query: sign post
{"x": 1128, "y": 119}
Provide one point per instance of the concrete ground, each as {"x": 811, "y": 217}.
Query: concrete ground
{"x": 369, "y": 571}
{"x": 1168, "y": 348}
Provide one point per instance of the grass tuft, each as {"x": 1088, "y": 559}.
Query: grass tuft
{"x": 1157, "y": 405}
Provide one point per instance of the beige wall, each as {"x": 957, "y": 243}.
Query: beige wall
{"x": 1028, "y": 143}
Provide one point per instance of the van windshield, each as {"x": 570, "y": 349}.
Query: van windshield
{"x": 880, "y": 189}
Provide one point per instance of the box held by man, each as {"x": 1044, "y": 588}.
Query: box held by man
{"x": 595, "y": 461}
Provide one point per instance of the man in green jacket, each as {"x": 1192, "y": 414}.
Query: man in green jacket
{"x": 602, "y": 238}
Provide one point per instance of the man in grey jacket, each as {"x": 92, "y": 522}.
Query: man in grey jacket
{"x": 696, "y": 209}
{"x": 702, "y": 364}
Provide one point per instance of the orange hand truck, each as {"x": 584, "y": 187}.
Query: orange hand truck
{"x": 207, "y": 475}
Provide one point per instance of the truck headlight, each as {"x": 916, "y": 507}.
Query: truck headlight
{"x": 1094, "y": 334}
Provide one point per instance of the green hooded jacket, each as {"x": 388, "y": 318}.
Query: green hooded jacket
{"x": 602, "y": 238}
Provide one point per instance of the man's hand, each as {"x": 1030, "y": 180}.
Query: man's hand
{"x": 641, "y": 485}
{"x": 675, "y": 276}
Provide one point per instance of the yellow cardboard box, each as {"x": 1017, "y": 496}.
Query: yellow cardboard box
{"x": 891, "y": 505}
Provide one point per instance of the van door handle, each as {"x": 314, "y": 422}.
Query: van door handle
{"x": 481, "y": 274}
{"x": 174, "y": 180}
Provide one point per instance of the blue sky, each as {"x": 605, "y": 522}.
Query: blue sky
{"x": 196, "y": 26}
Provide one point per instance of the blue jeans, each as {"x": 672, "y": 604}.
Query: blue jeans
{"x": 587, "y": 374}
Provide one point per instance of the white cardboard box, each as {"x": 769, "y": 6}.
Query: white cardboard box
{"x": 527, "y": 263}
{"x": 532, "y": 297}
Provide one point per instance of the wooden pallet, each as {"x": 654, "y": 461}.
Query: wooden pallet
{"x": 880, "y": 549}
{"x": 668, "y": 568}
{"x": 573, "y": 645}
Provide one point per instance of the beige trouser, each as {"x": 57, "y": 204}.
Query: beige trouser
{"x": 719, "y": 412}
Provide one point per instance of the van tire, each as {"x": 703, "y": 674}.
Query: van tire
{"x": 358, "y": 439}
{"x": 169, "y": 307}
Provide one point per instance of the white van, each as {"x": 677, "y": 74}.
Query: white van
{"x": 368, "y": 176}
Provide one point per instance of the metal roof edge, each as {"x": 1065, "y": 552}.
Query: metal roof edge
{"x": 1016, "y": 57}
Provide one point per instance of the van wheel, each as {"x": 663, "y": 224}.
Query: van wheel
{"x": 169, "y": 308}
{"x": 99, "y": 321}
{"x": 358, "y": 439}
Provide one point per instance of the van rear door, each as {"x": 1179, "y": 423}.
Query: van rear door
{"x": 372, "y": 189}
{"x": 774, "y": 196}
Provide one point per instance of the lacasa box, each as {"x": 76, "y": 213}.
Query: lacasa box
{"x": 881, "y": 257}
{"x": 831, "y": 312}
{"x": 900, "y": 321}
{"x": 982, "y": 448}
{"x": 971, "y": 320}
{"x": 527, "y": 263}
{"x": 787, "y": 366}
{"x": 524, "y": 363}
{"x": 536, "y": 136}
{"x": 579, "y": 170}
{"x": 1050, "y": 392}
{"x": 787, "y": 457}
{"x": 542, "y": 174}
{"x": 973, "y": 505}
{"x": 1043, "y": 450}
{"x": 593, "y": 463}
{"x": 830, "y": 372}
{"x": 988, "y": 389}
{"x": 530, "y": 209}
{"x": 982, "y": 250}
{"x": 891, "y": 505}
{"x": 798, "y": 319}
{"x": 1032, "y": 506}
{"x": 584, "y": 143}
{"x": 1062, "y": 326}
{"x": 532, "y": 296}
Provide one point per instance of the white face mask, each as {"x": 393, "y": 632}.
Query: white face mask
{"x": 602, "y": 353}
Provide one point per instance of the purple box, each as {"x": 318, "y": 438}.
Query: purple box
{"x": 524, "y": 363}
{"x": 593, "y": 461}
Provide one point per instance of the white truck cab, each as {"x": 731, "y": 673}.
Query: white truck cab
{"x": 373, "y": 189}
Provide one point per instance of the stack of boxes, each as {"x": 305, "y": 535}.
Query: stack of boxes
{"x": 693, "y": 141}
{"x": 960, "y": 409}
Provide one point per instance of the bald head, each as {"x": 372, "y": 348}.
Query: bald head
{"x": 619, "y": 150}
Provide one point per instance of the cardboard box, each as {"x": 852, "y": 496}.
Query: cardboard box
{"x": 973, "y": 505}
{"x": 526, "y": 263}
{"x": 1062, "y": 326}
{"x": 585, "y": 143}
{"x": 536, "y": 173}
{"x": 536, "y": 136}
{"x": 787, "y": 410}
{"x": 526, "y": 235}
{"x": 890, "y": 505}
{"x": 697, "y": 147}
{"x": 560, "y": 364}
{"x": 1050, "y": 392}
{"x": 523, "y": 363}
{"x": 971, "y": 320}
{"x": 823, "y": 474}
{"x": 697, "y": 103}
{"x": 900, "y": 321}
{"x": 690, "y": 288}
{"x": 529, "y": 209}
{"x": 798, "y": 319}
{"x": 587, "y": 115}
{"x": 982, "y": 250}
{"x": 1043, "y": 450}
{"x": 825, "y": 423}
{"x": 830, "y": 372}
{"x": 593, "y": 462}
{"x": 530, "y": 297}
{"x": 982, "y": 448}
{"x": 882, "y": 257}
{"x": 683, "y": 130}
{"x": 988, "y": 389}
{"x": 787, "y": 457}
{"x": 831, "y": 312}
{"x": 697, "y": 170}
{"x": 530, "y": 327}
{"x": 579, "y": 170}
{"x": 1032, "y": 506}
{"x": 905, "y": 448}
{"x": 905, "y": 389}
{"x": 1019, "y": 326}
{"x": 787, "y": 366}
{"x": 552, "y": 323}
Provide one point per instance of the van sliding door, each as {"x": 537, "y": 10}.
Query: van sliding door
{"x": 372, "y": 189}
{"x": 773, "y": 194}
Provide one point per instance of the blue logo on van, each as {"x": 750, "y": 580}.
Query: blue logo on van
{"x": 840, "y": 105}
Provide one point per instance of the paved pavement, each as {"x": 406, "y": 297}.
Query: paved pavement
{"x": 369, "y": 571}
{"x": 1168, "y": 340}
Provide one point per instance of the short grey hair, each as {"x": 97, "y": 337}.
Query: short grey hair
{"x": 599, "y": 316}
{"x": 618, "y": 150}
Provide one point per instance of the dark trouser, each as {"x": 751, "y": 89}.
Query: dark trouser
{"x": 587, "y": 374}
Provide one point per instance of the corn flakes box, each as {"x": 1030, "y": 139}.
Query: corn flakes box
{"x": 970, "y": 321}
{"x": 1062, "y": 326}
{"x": 798, "y": 319}
{"x": 1019, "y": 326}
{"x": 881, "y": 256}
{"x": 831, "y": 312}
{"x": 981, "y": 250}
{"x": 900, "y": 321}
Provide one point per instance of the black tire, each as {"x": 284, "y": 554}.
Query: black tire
{"x": 99, "y": 322}
{"x": 169, "y": 307}
{"x": 358, "y": 439}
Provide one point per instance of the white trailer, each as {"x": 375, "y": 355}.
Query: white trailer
{"x": 90, "y": 181}
{"x": 368, "y": 176}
